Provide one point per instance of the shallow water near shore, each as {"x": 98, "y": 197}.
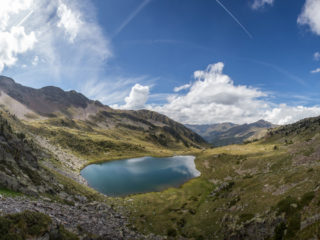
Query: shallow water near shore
{"x": 140, "y": 175}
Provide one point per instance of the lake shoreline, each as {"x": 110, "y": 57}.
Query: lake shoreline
{"x": 131, "y": 176}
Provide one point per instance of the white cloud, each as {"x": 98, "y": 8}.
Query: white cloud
{"x": 69, "y": 42}
{"x": 183, "y": 87}
{"x": 284, "y": 114}
{"x": 69, "y": 20}
{"x": 12, "y": 43}
{"x": 9, "y": 8}
{"x": 137, "y": 98}
{"x": 316, "y": 70}
{"x": 316, "y": 56}
{"x": 214, "y": 98}
{"x": 114, "y": 93}
{"x": 311, "y": 15}
{"x": 261, "y": 3}
{"x": 14, "y": 40}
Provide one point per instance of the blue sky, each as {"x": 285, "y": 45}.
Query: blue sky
{"x": 196, "y": 61}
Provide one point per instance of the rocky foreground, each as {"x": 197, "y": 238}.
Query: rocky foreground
{"x": 88, "y": 220}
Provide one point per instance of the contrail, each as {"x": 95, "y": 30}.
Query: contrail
{"x": 131, "y": 16}
{"x": 25, "y": 18}
{"x": 235, "y": 19}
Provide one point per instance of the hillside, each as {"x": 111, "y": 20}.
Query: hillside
{"x": 222, "y": 134}
{"x": 268, "y": 189}
{"x": 71, "y": 112}
{"x": 39, "y": 199}
{"x": 20, "y": 167}
{"x": 265, "y": 189}
{"x": 48, "y": 135}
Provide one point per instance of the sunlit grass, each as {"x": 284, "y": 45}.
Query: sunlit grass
{"x": 259, "y": 175}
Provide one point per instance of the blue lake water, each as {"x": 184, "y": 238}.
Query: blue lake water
{"x": 140, "y": 175}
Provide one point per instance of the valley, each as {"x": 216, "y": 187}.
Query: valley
{"x": 159, "y": 120}
{"x": 263, "y": 189}
{"x": 222, "y": 134}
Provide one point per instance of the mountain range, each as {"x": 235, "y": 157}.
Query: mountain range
{"x": 222, "y": 134}
{"x": 55, "y": 106}
{"x": 265, "y": 189}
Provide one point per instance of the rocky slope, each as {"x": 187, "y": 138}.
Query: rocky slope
{"x": 96, "y": 219}
{"x": 266, "y": 189}
{"x": 46, "y": 137}
{"x": 37, "y": 178}
{"x": 20, "y": 167}
{"x": 54, "y": 104}
{"x": 222, "y": 134}
{"x": 45, "y": 101}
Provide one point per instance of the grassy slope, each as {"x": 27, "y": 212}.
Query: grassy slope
{"x": 239, "y": 185}
{"x": 95, "y": 144}
{"x": 254, "y": 181}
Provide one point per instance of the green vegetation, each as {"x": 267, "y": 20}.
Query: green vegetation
{"x": 24, "y": 225}
{"x": 239, "y": 184}
{"x": 279, "y": 231}
{"x": 27, "y": 225}
{"x": 8, "y": 193}
{"x": 270, "y": 184}
{"x": 62, "y": 234}
{"x": 97, "y": 144}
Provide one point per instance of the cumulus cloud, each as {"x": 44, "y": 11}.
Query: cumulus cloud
{"x": 317, "y": 70}
{"x": 14, "y": 42}
{"x": 284, "y": 114}
{"x": 261, "y": 3}
{"x": 316, "y": 56}
{"x": 214, "y": 98}
{"x": 183, "y": 87}
{"x": 137, "y": 98}
{"x": 310, "y": 15}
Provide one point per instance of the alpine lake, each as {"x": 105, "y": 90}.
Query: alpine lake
{"x": 140, "y": 175}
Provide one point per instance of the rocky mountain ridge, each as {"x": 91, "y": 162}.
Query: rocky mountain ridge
{"x": 265, "y": 189}
{"x": 53, "y": 104}
{"x": 222, "y": 134}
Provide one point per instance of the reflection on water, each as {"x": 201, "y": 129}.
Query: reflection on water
{"x": 140, "y": 175}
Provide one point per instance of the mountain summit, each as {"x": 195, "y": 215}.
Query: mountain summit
{"x": 51, "y": 103}
{"x": 45, "y": 101}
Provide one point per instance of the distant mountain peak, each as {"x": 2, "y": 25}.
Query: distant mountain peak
{"x": 226, "y": 133}
{"x": 262, "y": 123}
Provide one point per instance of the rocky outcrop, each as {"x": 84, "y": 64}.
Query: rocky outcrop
{"x": 87, "y": 220}
{"x": 19, "y": 166}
